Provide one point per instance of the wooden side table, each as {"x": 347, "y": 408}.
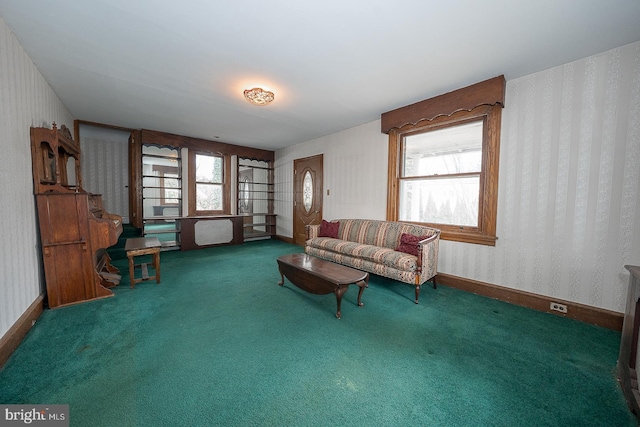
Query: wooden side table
{"x": 143, "y": 246}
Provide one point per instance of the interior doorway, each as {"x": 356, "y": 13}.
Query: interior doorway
{"x": 105, "y": 166}
{"x": 307, "y": 195}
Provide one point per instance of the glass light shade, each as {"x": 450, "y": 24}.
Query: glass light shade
{"x": 258, "y": 96}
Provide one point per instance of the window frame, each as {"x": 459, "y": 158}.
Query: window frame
{"x": 226, "y": 174}
{"x": 485, "y": 232}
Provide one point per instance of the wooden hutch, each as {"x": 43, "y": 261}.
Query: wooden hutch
{"x": 74, "y": 228}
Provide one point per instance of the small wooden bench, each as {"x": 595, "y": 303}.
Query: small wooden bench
{"x": 143, "y": 246}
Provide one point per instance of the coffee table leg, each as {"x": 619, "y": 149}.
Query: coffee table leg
{"x": 361, "y": 285}
{"x": 339, "y": 292}
{"x": 281, "y": 282}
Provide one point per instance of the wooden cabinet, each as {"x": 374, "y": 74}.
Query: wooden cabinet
{"x": 74, "y": 228}
{"x": 627, "y": 361}
{"x": 256, "y": 198}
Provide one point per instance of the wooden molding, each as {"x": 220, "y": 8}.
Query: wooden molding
{"x": 488, "y": 92}
{"x": 179, "y": 141}
{"x": 485, "y": 232}
{"x": 10, "y": 341}
{"x": 584, "y": 313}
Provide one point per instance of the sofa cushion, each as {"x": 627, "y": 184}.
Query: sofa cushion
{"x": 377, "y": 254}
{"x": 409, "y": 243}
{"x": 379, "y": 233}
{"x": 329, "y": 229}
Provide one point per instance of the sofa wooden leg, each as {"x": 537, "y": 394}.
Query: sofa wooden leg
{"x": 435, "y": 285}
{"x": 417, "y": 293}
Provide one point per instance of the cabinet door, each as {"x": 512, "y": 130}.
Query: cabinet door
{"x": 59, "y": 219}
{"x": 67, "y": 274}
{"x": 67, "y": 259}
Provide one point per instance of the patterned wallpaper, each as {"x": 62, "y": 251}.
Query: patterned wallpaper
{"x": 25, "y": 100}
{"x": 568, "y": 202}
{"x": 568, "y": 214}
{"x": 105, "y": 169}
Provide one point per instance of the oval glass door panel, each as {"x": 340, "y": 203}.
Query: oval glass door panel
{"x": 244, "y": 193}
{"x": 307, "y": 191}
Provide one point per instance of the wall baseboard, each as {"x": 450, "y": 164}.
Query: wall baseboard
{"x": 584, "y": 313}
{"x": 10, "y": 341}
{"x": 283, "y": 238}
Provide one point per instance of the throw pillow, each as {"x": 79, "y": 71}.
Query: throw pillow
{"x": 329, "y": 229}
{"x": 409, "y": 243}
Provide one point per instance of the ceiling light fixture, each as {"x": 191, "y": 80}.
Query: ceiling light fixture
{"x": 258, "y": 96}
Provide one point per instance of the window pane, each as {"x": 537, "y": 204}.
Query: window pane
{"x": 441, "y": 201}
{"x": 208, "y": 168}
{"x": 155, "y": 193}
{"x": 208, "y": 197}
{"x": 171, "y": 188}
{"x": 455, "y": 149}
{"x": 307, "y": 191}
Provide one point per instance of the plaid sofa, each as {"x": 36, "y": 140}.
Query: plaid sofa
{"x": 370, "y": 245}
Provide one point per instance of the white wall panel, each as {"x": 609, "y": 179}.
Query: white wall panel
{"x": 25, "y": 100}
{"x": 568, "y": 202}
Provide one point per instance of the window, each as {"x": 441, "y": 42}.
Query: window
{"x": 208, "y": 184}
{"x": 171, "y": 184}
{"x": 443, "y": 162}
{"x": 440, "y": 179}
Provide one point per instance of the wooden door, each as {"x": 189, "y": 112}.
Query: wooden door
{"x": 307, "y": 195}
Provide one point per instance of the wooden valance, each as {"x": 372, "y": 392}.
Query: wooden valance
{"x": 488, "y": 92}
{"x": 164, "y": 139}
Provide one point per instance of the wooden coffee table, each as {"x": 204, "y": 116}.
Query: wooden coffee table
{"x": 321, "y": 277}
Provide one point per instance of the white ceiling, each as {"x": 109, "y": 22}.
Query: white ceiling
{"x": 181, "y": 67}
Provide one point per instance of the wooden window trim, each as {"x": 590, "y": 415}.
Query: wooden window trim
{"x": 226, "y": 186}
{"x": 490, "y": 110}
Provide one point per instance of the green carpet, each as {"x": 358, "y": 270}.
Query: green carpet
{"x": 218, "y": 342}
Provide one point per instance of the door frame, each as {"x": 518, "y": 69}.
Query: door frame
{"x": 319, "y": 197}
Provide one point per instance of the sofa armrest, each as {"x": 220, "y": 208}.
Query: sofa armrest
{"x": 312, "y": 231}
{"x": 428, "y": 255}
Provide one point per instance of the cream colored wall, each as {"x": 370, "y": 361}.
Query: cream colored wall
{"x": 26, "y": 100}
{"x": 355, "y": 173}
{"x": 568, "y": 202}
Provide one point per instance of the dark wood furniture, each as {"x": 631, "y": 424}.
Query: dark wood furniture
{"x": 162, "y": 139}
{"x": 201, "y": 232}
{"x": 627, "y": 361}
{"x": 321, "y": 277}
{"x": 139, "y": 246}
{"x": 75, "y": 230}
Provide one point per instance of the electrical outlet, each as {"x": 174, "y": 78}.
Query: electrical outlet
{"x": 558, "y": 307}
